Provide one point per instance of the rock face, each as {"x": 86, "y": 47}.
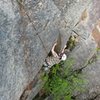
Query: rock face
{"x": 93, "y": 69}
{"x": 22, "y": 52}
{"x": 87, "y": 50}
{"x": 92, "y": 72}
{"x": 28, "y": 30}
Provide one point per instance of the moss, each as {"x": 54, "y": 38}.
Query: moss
{"x": 72, "y": 42}
{"x": 62, "y": 81}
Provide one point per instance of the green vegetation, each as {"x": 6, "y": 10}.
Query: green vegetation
{"x": 62, "y": 81}
{"x": 71, "y": 43}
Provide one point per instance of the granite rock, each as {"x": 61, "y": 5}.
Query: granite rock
{"x": 28, "y": 31}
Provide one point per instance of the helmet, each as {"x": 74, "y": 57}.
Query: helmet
{"x": 63, "y": 56}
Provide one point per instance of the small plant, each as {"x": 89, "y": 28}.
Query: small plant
{"x": 73, "y": 40}
{"x": 62, "y": 81}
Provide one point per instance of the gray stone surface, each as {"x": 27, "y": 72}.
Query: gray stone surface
{"x": 92, "y": 73}
{"x": 22, "y": 52}
{"x": 84, "y": 51}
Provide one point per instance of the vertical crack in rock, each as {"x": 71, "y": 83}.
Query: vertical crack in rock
{"x": 28, "y": 89}
{"x": 24, "y": 12}
{"x": 36, "y": 25}
{"x": 31, "y": 87}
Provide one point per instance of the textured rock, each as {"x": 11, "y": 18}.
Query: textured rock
{"x": 92, "y": 72}
{"x": 27, "y": 32}
{"x": 21, "y": 51}
{"x": 85, "y": 50}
